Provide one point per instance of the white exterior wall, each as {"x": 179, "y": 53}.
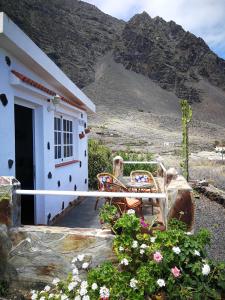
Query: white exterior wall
{"x": 23, "y": 94}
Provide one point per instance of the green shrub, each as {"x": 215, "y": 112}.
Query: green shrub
{"x": 134, "y": 156}
{"x": 99, "y": 160}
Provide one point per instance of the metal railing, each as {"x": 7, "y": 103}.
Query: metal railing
{"x": 91, "y": 194}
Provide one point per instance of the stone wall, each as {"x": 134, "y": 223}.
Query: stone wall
{"x": 211, "y": 192}
{"x": 32, "y": 256}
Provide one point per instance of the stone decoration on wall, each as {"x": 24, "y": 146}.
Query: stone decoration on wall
{"x": 8, "y": 61}
{"x": 3, "y": 99}
{"x": 10, "y": 163}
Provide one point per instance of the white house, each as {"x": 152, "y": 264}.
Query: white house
{"x": 43, "y": 143}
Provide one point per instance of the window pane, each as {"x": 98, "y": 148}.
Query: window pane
{"x": 59, "y": 152}
{"x": 55, "y": 152}
{"x": 59, "y": 138}
{"x": 55, "y": 138}
{"x": 59, "y": 124}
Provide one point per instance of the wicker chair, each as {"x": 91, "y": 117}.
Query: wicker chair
{"x": 104, "y": 181}
{"x": 124, "y": 203}
{"x": 145, "y": 177}
{"x": 109, "y": 183}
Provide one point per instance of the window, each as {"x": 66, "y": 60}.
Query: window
{"x": 63, "y": 138}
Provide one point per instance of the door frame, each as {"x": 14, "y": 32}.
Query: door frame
{"x": 38, "y": 161}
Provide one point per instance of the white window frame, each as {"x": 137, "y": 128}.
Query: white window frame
{"x": 64, "y": 138}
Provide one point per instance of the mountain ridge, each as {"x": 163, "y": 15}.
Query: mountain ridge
{"x": 75, "y": 34}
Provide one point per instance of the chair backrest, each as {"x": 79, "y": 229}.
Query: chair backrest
{"x": 107, "y": 179}
{"x": 143, "y": 176}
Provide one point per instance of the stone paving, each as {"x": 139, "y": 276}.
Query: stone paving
{"x": 84, "y": 216}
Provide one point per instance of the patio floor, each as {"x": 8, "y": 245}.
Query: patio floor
{"x": 84, "y": 215}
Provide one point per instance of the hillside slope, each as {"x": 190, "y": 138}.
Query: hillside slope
{"x": 134, "y": 111}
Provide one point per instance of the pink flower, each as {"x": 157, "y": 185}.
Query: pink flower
{"x": 175, "y": 271}
{"x": 157, "y": 256}
{"x": 143, "y": 224}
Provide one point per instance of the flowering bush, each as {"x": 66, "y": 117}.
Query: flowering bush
{"x": 170, "y": 264}
{"x": 108, "y": 214}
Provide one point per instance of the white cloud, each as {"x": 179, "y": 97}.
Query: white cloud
{"x": 205, "y": 18}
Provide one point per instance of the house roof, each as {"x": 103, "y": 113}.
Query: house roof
{"x": 13, "y": 39}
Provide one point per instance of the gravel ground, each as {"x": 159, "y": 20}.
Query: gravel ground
{"x": 211, "y": 215}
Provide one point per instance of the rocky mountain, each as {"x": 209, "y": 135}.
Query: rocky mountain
{"x": 74, "y": 34}
{"x": 134, "y": 71}
{"x": 168, "y": 55}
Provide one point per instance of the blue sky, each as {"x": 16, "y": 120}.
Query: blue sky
{"x": 204, "y": 18}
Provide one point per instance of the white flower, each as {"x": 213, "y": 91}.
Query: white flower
{"x": 131, "y": 212}
{"x": 47, "y": 288}
{"x": 51, "y": 296}
{"x": 94, "y": 286}
{"x": 189, "y": 233}
{"x": 55, "y": 281}
{"x": 34, "y": 296}
{"x": 124, "y": 262}
{"x": 74, "y": 260}
{"x": 133, "y": 283}
{"x": 42, "y": 298}
{"x": 80, "y": 257}
{"x": 85, "y": 265}
{"x": 63, "y": 297}
{"x": 83, "y": 291}
{"x": 121, "y": 248}
{"x": 134, "y": 244}
{"x": 197, "y": 253}
{"x": 161, "y": 282}
{"x": 75, "y": 271}
{"x": 86, "y": 297}
{"x": 143, "y": 246}
{"x": 142, "y": 251}
{"x": 33, "y": 292}
{"x": 176, "y": 250}
{"x": 72, "y": 285}
{"x": 206, "y": 269}
{"x": 84, "y": 284}
{"x": 104, "y": 292}
{"x": 152, "y": 239}
{"x": 78, "y": 297}
{"x": 76, "y": 278}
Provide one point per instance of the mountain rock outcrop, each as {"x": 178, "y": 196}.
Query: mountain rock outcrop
{"x": 74, "y": 34}
{"x": 168, "y": 55}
